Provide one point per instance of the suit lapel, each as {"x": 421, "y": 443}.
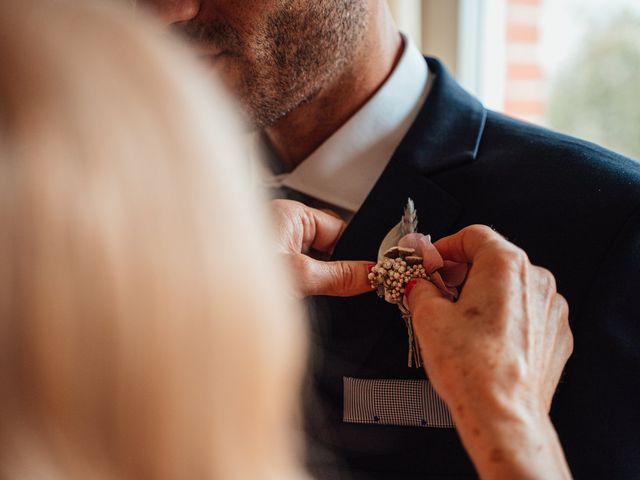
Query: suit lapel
{"x": 445, "y": 135}
{"x": 437, "y": 211}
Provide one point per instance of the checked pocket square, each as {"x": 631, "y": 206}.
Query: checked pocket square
{"x": 411, "y": 403}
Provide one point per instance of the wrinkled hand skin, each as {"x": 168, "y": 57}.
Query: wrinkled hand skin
{"x": 496, "y": 355}
{"x": 304, "y": 235}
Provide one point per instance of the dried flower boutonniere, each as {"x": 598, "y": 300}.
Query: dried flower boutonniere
{"x": 405, "y": 254}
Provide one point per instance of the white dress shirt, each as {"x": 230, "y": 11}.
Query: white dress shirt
{"x": 343, "y": 170}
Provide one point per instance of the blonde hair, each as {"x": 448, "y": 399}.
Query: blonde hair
{"x": 145, "y": 331}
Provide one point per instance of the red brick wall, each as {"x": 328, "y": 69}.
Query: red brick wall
{"x": 524, "y": 85}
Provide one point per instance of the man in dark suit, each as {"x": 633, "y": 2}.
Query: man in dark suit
{"x": 356, "y": 124}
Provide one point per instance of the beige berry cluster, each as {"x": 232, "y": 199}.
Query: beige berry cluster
{"x": 390, "y": 275}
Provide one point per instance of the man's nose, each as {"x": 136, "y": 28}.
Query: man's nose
{"x": 175, "y": 11}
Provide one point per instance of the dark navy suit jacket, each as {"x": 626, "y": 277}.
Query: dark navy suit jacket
{"x": 572, "y": 206}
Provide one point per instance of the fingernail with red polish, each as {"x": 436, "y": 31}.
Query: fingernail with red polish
{"x": 410, "y": 284}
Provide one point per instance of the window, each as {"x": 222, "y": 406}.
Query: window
{"x": 571, "y": 65}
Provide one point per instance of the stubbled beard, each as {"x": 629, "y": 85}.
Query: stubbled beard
{"x": 299, "y": 49}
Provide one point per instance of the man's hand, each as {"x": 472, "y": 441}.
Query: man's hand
{"x": 496, "y": 355}
{"x": 304, "y": 235}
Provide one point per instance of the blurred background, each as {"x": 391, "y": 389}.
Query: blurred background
{"x": 571, "y": 65}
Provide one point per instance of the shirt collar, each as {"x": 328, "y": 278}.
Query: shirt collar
{"x": 344, "y": 169}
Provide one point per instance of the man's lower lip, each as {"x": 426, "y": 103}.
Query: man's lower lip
{"x": 214, "y": 59}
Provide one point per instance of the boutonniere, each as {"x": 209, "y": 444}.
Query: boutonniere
{"x": 405, "y": 254}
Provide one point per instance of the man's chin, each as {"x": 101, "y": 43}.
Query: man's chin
{"x": 228, "y": 70}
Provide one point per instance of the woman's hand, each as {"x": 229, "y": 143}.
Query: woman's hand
{"x": 305, "y": 236}
{"x": 496, "y": 355}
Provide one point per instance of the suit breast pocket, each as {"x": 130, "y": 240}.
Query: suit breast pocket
{"x": 399, "y": 402}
